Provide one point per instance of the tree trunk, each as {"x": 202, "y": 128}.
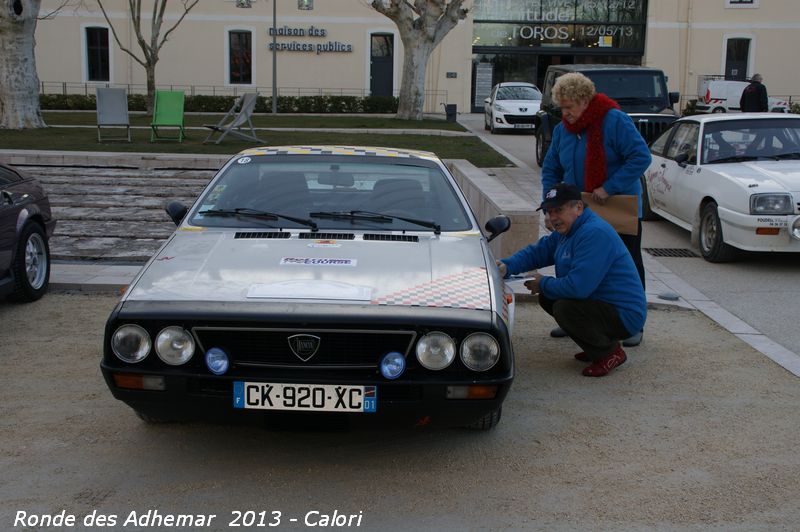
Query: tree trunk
{"x": 19, "y": 82}
{"x": 151, "y": 88}
{"x": 412, "y": 86}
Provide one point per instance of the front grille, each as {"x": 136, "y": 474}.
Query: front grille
{"x": 262, "y": 234}
{"x": 671, "y": 252}
{"x": 651, "y": 127}
{"x": 392, "y": 238}
{"x": 327, "y": 236}
{"x": 519, "y": 119}
{"x": 337, "y": 348}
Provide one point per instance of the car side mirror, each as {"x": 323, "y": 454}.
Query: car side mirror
{"x": 682, "y": 158}
{"x": 497, "y": 226}
{"x": 176, "y": 211}
{"x": 487, "y": 100}
{"x": 674, "y": 97}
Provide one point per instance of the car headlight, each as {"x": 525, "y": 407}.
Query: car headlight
{"x": 130, "y": 343}
{"x": 500, "y": 108}
{"x": 771, "y": 204}
{"x": 174, "y": 346}
{"x": 796, "y": 228}
{"x": 480, "y": 351}
{"x": 436, "y": 350}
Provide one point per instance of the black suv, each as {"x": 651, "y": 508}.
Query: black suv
{"x": 640, "y": 91}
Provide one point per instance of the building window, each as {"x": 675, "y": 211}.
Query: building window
{"x": 240, "y": 57}
{"x": 741, "y": 3}
{"x": 97, "y": 61}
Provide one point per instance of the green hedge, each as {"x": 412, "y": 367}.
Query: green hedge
{"x": 221, "y": 104}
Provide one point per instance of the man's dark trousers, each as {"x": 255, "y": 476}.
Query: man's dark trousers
{"x": 593, "y": 325}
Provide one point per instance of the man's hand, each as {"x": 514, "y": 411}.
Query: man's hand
{"x": 533, "y": 284}
{"x": 502, "y": 267}
{"x": 600, "y": 195}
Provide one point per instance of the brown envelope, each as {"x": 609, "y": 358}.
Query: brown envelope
{"x": 621, "y": 211}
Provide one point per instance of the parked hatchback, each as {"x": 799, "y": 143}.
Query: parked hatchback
{"x": 511, "y": 105}
{"x": 26, "y": 225}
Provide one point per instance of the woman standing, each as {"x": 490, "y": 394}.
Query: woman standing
{"x": 597, "y": 148}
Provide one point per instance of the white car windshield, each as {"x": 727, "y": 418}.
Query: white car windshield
{"x": 332, "y": 192}
{"x": 747, "y": 140}
{"x": 518, "y": 92}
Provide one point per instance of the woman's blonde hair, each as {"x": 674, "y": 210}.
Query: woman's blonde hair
{"x": 573, "y": 86}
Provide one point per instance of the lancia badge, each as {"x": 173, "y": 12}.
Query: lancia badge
{"x": 304, "y": 346}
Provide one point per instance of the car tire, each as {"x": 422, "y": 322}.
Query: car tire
{"x": 647, "y": 213}
{"x": 151, "y": 420}
{"x": 712, "y": 246}
{"x": 491, "y": 126}
{"x": 31, "y": 266}
{"x": 541, "y": 147}
{"x": 717, "y": 110}
{"x": 487, "y": 422}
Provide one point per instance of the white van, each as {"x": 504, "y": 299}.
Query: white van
{"x": 722, "y": 96}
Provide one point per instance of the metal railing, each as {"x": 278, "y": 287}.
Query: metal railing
{"x": 434, "y": 100}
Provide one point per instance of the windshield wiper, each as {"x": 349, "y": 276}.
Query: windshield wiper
{"x": 351, "y": 215}
{"x": 437, "y": 229}
{"x": 255, "y": 213}
{"x": 788, "y": 155}
{"x": 735, "y": 159}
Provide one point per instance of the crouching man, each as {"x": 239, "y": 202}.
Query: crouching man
{"x": 596, "y": 295}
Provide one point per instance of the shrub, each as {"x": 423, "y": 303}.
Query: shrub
{"x": 380, "y": 104}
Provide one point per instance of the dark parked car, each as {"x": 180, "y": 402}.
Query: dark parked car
{"x": 640, "y": 91}
{"x": 26, "y": 225}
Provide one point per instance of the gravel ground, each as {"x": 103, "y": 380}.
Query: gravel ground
{"x": 696, "y": 432}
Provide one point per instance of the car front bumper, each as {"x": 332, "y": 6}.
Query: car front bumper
{"x": 740, "y": 231}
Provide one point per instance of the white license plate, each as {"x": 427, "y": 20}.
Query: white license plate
{"x": 306, "y": 397}
{"x": 523, "y": 126}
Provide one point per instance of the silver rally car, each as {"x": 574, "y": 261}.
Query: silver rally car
{"x": 351, "y": 283}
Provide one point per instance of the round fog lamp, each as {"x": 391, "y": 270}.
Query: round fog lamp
{"x": 217, "y": 361}
{"x": 130, "y": 343}
{"x": 174, "y": 346}
{"x": 393, "y": 365}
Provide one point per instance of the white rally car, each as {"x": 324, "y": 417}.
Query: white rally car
{"x": 733, "y": 180}
{"x": 314, "y": 282}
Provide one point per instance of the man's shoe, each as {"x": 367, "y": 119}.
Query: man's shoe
{"x": 634, "y": 340}
{"x": 602, "y": 367}
{"x": 558, "y": 332}
{"x": 582, "y": 357}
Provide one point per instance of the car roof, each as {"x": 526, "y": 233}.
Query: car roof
{"x": 731, "y": 117}
{"x": 516, "y": 84}
{"x": 341, "y": 151}
{"x": 582, "y": 67}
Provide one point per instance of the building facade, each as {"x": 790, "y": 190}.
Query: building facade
{"x": 345, "y": 47}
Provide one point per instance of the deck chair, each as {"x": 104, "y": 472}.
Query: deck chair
{"x": 232, "y": 122}
{"x": 167, "y": 113}
{"x": 112, "y": 111}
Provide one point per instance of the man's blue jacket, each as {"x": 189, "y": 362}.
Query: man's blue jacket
{"x": 591, "y": 263}
{"x": 627, "y": 157}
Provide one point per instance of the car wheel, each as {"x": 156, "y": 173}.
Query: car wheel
{"x": 487, "y": 422}
{"x": 718, "y": 110}
{"x": 31, "y": 265}
{"x": 541, "y": 147}
{"x": 647, "y": 213}
{"x": 712, "y": 246}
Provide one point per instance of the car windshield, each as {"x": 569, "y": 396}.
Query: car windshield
{"x": 323, "y": 192}
{"x": 747, "y": 140}
{"x": 634, "y": 91}
{"x": 518, "y": 92}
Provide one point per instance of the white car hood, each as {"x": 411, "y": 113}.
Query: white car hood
{"x": 762, "y": 176}
{"x": 530, "y": 106}
{"x": 212, "y": 265}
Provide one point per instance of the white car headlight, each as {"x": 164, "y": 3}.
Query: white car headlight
{"x": 500, "y": 108}
{"x": 130, "y": 343}
{"x": 795, "y": 231}
{"x": 174, "y": 346}
{"x": 480, "y": 351}
{"x": 436, "y": 350}
{"x": 771, "y": 204}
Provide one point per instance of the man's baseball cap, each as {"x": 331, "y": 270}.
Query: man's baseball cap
{"x": 559, "y": 195}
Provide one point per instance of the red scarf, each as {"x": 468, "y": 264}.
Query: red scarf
{"x": 591, "y": 120}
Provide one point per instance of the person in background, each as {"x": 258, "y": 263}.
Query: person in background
{"x": 598, "y": 149}
{"x": 754, "y": 97}
{"x": 596, "y": 295}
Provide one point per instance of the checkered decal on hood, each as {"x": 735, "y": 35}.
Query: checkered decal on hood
{"x": 337, "y": 150}
{"x": 468, "y": 289}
